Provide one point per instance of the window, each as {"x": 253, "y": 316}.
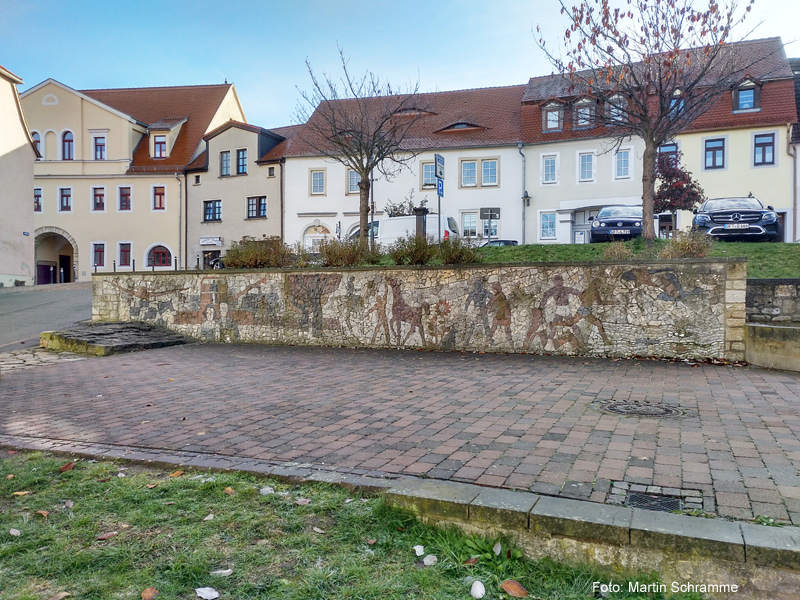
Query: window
{"x": 318, "y": 182}
{"x": 65, "y": 199}
{"x": 548, "y": 230}
{"x": 241, "y": 162}
{"x": 67, "y": 146}
{"x": 224, "y": 163}
{"x": 99, "y": 255}
{"x": 428, "y": 175}
{"x": 37, "y": 199}
{"x": 489, "y": 168}
{"x": 98, "y": 199}
{"x": 615, "y": 112}
{"x": 584, "y": 115}
{"x": 486, "y": 225}
{"x": 257, "y": 207}
{"x": 100, "y": 148}
{"x": 159, "y": 257}
{"x": 160, "y": 146}
{"x": 159, "y": 202}
{"x": 670, "y": 150}
{"x": 197, "y": 179}
{"x": 552, "y": 119}
{"x": 271, "y": 172}
{"x": 469, "y": 175}
{"x": 586, "y": 166}
{"x": 353, "y": 179}
{"x": 764, "y": 149}
{"x": 125, "y": 254}
{"x": 469, "y": 224}
{"x": 747, "y": 97}
{"x": 715, "y": 153}
{"x": 676, "y": 106}
{"x": 124, "y": 198}
{"x": 37, "y": 141}
{"x": 550, "y": 169}
{"x": 622, "y": 168}
{"x": 212, "y": 210}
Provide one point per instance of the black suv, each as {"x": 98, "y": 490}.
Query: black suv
{"x": 738, "y": 219}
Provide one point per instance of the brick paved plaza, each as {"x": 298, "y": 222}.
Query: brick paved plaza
{"x": 524, "y": 422}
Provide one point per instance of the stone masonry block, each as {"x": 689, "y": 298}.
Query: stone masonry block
{"x": 503, "y": 508}
{"x": 428, "y": 497}
{"x": 687, "y": 535}
{"x": 588, "y": 521}
{"x": 734, "y": 334}
{"x": 785, "y": 291}
{"x": 737, "y": 296}
{"x": 772, "y": 546}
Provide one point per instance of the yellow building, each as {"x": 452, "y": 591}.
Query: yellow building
{"x": 17, "y": 155}
{"x": 110, "y": 188}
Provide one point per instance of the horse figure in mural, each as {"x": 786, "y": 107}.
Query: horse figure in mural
{"x": 405, "y": 313}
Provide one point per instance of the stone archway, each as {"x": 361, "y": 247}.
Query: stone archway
{"x": 46, "y": 250}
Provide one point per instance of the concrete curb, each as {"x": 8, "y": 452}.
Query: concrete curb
{"x": 104, "y": 339}
{"x": 759, "y": 549}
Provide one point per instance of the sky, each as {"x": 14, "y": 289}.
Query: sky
{"x": 262, "y": 46}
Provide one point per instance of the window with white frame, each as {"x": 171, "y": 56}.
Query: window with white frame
{"x": 124, "y": 254}
{"x": 159, "y": 198}
{"x": 124, "y": 198}
{"x": 353, "y": 179}
{"x": 98, "y": 255}
{"x": 552, "y": 118}
{"x": 65, "y": 199}
{"x": 622, "y": 164}
{"x": 469, "y": 224}
{"x": 99, "y": 147}
{"x": 586, "y": 166}
{"x": 428, "y": 175}
{"x": 37, "y": 199}
{"x": 584, "y": 115}
{"x": 548, "y": 226}
{"x": 549, "y": 168}
{"x": 318, "y": 182}
{"x": 98, "y": 199}
{"x": 160, "y": 146}
{"x": 614, "y": 110}
{"x": 469, "y": 173}
{"x": 489, "y": 170}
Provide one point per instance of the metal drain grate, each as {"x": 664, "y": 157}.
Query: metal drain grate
{"x": 640, "y": 409}
{"x": 653, "y": 502}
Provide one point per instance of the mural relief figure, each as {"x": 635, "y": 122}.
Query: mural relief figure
{"x": 663, "y": 279}
{"x": 405, "y": 313}
{"x": 309, "y": 293}
{"x": 479, "y": 298}
{"x": 502, "y": 314}
{"x": 379, "y": 308}
{"x": 352, "y": 302}
{"x": 560, "y": 315}
{"x": 538, "y": 328}
{"x": 437, "y": 322}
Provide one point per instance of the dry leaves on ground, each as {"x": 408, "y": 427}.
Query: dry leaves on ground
{"x": 318, "y": 530}
{"x": 149, "y": 593}
{"x": 514, "y": 589}
{"x": 20, "y": 493}
{"x": 61, "y": 596}
{"x": 302, "y": 501}
{"x": 107, "y": 536}
{"x": 177, "y": 473}
{"x": 44, "y": 513}
{"x": 15, "y": 532}
{"x": 207, "y": 593}
{"x": 229, "y": 491}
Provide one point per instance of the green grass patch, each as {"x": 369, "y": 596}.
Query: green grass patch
{"x": 338, "y": 545}
{"x": 764, "y": 260}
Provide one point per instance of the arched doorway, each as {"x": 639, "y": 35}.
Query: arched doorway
{"x": 313, "y": 236}
{"x": 56, "y": 256}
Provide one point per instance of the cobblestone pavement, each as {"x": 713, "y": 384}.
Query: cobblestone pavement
{"x": 32, "y": 357}
{"x": 513, "y": 421}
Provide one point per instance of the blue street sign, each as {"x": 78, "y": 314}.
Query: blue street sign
{"x": 440, "y": 188}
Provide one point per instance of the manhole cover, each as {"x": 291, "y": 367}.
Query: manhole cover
{"x": 640, "y": 409}
{"x": 653, "y": 502}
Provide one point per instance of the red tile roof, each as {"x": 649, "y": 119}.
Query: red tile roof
{"x": 496, "y": 111}
{"x": 234, "y": 123}
{"x": 289, "y": 133}
{"x": 198, "y": 103}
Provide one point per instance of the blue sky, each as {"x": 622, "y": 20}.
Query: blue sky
{"x": 262, "y": 46}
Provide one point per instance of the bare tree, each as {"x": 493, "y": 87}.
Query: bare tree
{"x": 362, "y": 123}
{"x": 651, "y": 69}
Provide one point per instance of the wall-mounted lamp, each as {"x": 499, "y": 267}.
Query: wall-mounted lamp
{"x": 526, "y": 199}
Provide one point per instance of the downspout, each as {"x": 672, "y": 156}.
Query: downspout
{"x": 791, "y": 150}
{"x": 524, "y": 193}
{"x": 186, "y": 222}
{"x": 180, "y": 217}
{"x": 283, "y": 166}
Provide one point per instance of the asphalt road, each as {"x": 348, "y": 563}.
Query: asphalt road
{"x": 27, "y": 311}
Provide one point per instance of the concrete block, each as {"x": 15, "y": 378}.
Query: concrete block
{"x": 291, "y": 475}
{"x": 433, "y": 498}
{"x": 503, "y": 508}
{"x": 579, "y": 520}
{"x": 685, "y": 535}
{"x": 772, "y": 546}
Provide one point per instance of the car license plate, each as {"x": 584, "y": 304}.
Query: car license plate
{"x": 736, "y": 226}
{"x": 620, "y": 232}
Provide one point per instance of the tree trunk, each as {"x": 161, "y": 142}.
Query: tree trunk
{"x": 648, "y": 189}
{"x": 363, "y": 208}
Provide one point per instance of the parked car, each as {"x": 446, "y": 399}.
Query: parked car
{"x": 500, "y": 243}
{"x": 616, "y": 223}
{"x": 216, "y": 263}
{"x": 738, "y": 219}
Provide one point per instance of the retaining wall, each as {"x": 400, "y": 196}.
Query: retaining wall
{"x": 667, "y": 308}
{"x": 774, "y": 301}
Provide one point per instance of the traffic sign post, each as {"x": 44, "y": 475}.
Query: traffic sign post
{"x": 439, "y": 170}
{"x": 489, "y": 214}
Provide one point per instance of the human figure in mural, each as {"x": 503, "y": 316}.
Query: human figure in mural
{"x": 502, "y": 314}
{"x": 309, "y": 293}
{"x": 208, "y": 328}
{"x": 379, "y": 308}
{"x": 564, "y": 316}
{"x": 538, "y": 328}
{"x": 352, "y": 301}
{"x": 479, "y": 297}
{"x": 403, "y": 312}
{"x": 560, "y": 316}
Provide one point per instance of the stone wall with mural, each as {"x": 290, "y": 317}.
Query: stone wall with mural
{"x": 666, "y": 308}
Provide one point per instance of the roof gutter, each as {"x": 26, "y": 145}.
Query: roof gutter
{"x": 524, "y": 195}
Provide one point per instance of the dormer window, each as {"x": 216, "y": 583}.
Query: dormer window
{"x": 747, "y": 97}
{"x": 676, "y": 104}
{"x": 615, "y": 112}
{"x": 552, "y": 118}
{"x": 160, "y": 146}
{"x": 584, "y": 115}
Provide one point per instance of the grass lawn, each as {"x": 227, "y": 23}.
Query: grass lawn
{"x": 94, "y": 534}
{"x": 764, "y": 260}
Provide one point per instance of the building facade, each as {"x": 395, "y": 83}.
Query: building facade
{"x": 17, "y": 155}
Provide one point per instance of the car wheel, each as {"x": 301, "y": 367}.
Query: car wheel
{"x": 778, "y": 234}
